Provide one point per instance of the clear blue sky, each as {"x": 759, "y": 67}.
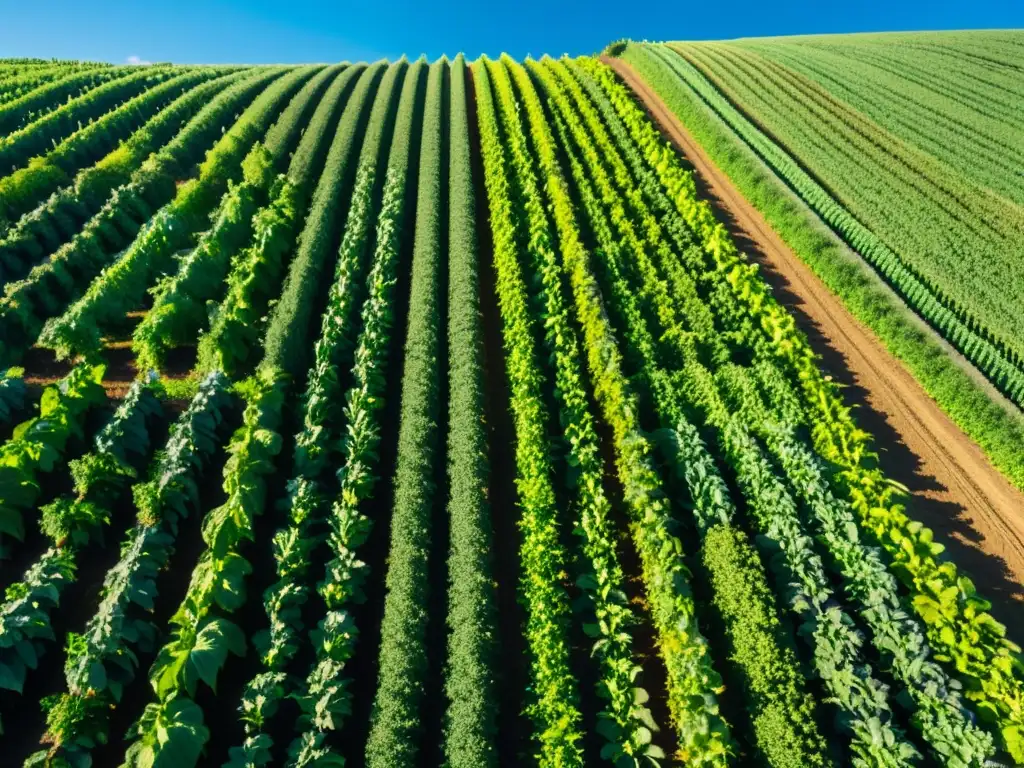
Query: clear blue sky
{"x": 189, "y": 31}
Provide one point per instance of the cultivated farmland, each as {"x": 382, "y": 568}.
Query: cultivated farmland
{"x": 908, "y": 147}
{"x": 422, "y": 413}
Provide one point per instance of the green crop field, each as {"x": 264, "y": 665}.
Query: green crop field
{"x": 910, "y": 148}
{"x": 420, "y": 413}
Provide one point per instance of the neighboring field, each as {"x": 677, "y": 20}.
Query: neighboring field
{"x": 908, "y": 147}
{"x": 475, "y": 441}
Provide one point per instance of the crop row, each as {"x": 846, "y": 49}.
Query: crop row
{"x": 295, "y": 544}
{"x": 625, "y": 722}
{"x": 554, "y": 700}
{"x": 39, "y": 102}
{"x": 102, "y": 661}
{"x": 179, "y": 310}
{"x": 51, "y": 168}
{"x": 472, "y": 659}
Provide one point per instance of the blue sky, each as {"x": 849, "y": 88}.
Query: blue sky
{"x": 189, "y": 31}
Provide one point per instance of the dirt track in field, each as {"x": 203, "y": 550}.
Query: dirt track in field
{"x": 971, "y": 507}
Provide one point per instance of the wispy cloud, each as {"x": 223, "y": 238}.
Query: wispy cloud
{"x": 136, "y": 60}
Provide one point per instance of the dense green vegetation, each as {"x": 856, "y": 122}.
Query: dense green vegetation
{"x": 930, "y": 246}
{"x": 940, "y": 225}
{"x": 407, "y": 413}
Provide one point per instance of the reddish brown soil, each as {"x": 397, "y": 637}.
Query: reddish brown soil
{"x": 956, "y": 491}
{"x": 42, "y": 368}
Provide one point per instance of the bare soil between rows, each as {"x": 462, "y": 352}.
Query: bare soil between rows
{"x": 956, "y": 491}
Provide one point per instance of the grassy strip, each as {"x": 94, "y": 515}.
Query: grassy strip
{"x": 472, "y": 702}
{"x": 396, "y": 720}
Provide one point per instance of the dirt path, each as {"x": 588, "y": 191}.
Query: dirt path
{"x": 956, "y": 491}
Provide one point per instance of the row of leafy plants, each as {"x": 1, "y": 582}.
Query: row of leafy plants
{"x": 50, "y": 168}
{"x": 472, "y": 659}
{"x": 325, "y": 695}
{"x": 171, "y": 729}
{"x": 398, "y": 708}
{"x": 294, "y": 544}
{"x": 553, "y": 703}
{"x": 102, "y": 660}
{"x": 625, "y": 723}
{"x": 71, "y": 523}
{"x": 38, "y": 445}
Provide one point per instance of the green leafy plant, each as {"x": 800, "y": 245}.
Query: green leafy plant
{"x": 67, "y": 273}
{"x": 957, "y": 626}
{"x": 180, "y": 306}
{"x": 39, "y": 443}
{"x": 102, "y": 661}
{"x": 472, "y": 661}
{"x": 279, "y": 644}
{"x": 625, "y": 722}
{"x": 554, "y": 708}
